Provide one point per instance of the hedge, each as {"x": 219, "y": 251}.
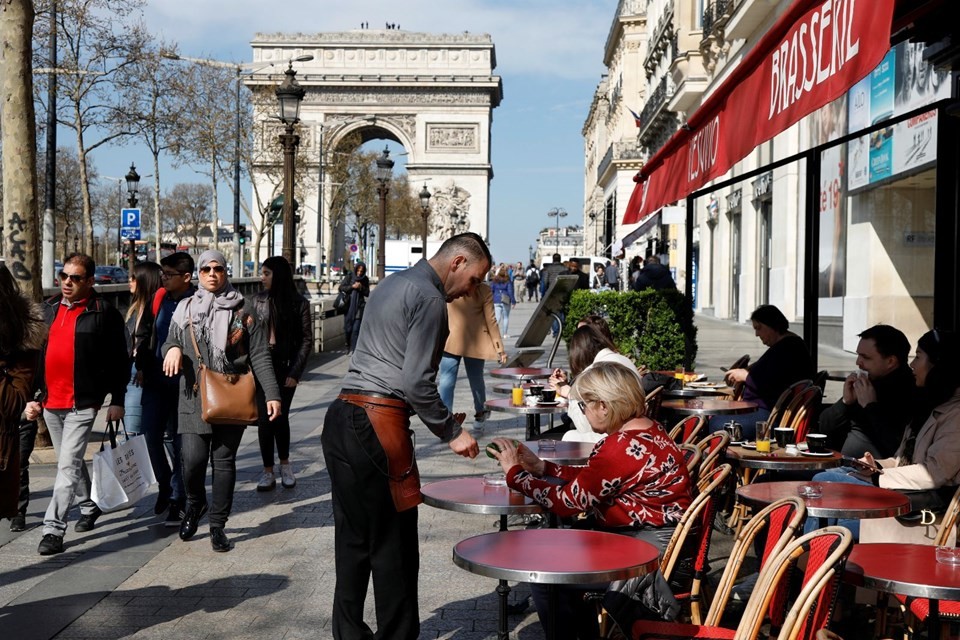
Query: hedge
{"x": 654, "y": 328}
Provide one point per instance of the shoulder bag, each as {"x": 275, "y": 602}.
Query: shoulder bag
{"x": 225, "y": 398}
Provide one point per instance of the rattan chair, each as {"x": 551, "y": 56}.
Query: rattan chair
{"x": 654, "y": 398}
{"x": 712, "y": 449}
{"x": 687, "y": 430}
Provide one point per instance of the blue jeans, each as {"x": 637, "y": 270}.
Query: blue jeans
{"x": 160, "y": 402}
{"x": 840, "y": 474}
{"x": 748, "y": 422}
{"x": 447, "y": 380}
{"x": 132, "y": 411}
{"x": 502, "y": 313}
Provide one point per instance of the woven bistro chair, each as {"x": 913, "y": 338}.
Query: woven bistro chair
{"x": 687, "y": 430}
{"x": 712, "y": 449}
{"x": 654, "y": 398}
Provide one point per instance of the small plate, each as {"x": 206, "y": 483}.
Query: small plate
{"x": 824, "y": 454}
{"x": 704, "y": 385}
{"x": 748, "y": 445}
{"x": 544, "y": 403}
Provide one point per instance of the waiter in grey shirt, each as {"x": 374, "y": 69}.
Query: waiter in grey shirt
{"x": 368, "y": 444}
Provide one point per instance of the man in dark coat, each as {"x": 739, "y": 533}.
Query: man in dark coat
{"x": 654, "y": 276}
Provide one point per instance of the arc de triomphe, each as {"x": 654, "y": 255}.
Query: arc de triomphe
{"x": 433, "y": 94}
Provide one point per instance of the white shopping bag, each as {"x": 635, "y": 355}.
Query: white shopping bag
{"x": 122, "y": 473}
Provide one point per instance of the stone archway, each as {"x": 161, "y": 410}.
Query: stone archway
{"x": 433, "y": 94}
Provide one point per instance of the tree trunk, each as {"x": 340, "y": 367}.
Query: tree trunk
{"x": 18, "y": 131}
{"x": 86, "y": 215}
{"x": 215, "y": 215}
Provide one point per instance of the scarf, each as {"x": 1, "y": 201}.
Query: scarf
{"x": 211, "y": 313}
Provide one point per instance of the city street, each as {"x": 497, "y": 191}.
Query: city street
{"x": 133, "y": 578}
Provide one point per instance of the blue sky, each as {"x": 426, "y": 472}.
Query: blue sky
{"x": 549, "y": 55}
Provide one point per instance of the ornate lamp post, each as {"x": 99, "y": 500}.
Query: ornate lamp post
{"x": 425, "y": 210}
{"x": 557, "y": 212}
{"x": 593, "y": 223}
{"x": 290, "y": 95}
{"x": 384, "y": 173}
{"x": 133, "y": 185}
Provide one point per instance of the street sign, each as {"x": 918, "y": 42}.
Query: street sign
{"x": 130, "y": 218}
{"x": 130, "y": 233}
{"x": 354, "y": 248}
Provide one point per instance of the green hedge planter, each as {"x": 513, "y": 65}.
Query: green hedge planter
{"x": 654, "y": 328}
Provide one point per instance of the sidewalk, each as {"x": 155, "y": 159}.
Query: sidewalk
{"x": 133, "y": 578}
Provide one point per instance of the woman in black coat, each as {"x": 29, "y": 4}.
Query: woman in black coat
{"x": 355, "y": 289}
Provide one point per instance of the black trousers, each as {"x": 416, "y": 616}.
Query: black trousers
{"x": 220, "y": 448}
{"x": 28, "y": 436}
{"x": 277, "y": 431}
{"x": 370, "y": 536}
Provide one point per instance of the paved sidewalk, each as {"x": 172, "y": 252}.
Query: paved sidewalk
{"x": 133, "y": 578}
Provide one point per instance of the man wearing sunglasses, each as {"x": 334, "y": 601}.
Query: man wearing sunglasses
{"x": 84, "y": 359}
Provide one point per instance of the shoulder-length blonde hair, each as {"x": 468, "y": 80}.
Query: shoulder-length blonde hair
{"x": 617, "y": 387}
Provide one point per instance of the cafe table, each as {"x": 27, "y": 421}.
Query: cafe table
{"x": 839, "y": 499}
{"x": 908, "y": 570}
{"x": 532, "y": 412}
{"x": 697, "y": 392}
{"x": 556, "y": 557}
{"x": 522, "y": 373}
{"x": 779, "y": 460}
{"x": 506, "y": 388}
{"x": 473, "y": 495}
{"x": 709, "y": 407}
{"x": 562, "y": 451}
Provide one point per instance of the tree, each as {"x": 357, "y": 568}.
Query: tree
{"x": 69, "y": 206}
{"x": 187, "y": 208}
{"x": 97, "y": 40}
{"x": 19, "y": 153}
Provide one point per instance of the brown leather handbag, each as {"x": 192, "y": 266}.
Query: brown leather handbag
{"x": 225, "y": 398}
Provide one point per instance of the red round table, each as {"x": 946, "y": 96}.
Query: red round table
{"x": 708, "y": 407}
{"x": 839, "y": 500}
{"x": 909, "y": 570}
{"x": 533, "y": 412}
{"x": 564, "y": 452}
{"x": 521, "y": 373}
{"x": 554, "y": 557}
{"x": 778, "y": 460}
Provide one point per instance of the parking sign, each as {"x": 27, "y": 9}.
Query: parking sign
{"x": 130, "y": 218}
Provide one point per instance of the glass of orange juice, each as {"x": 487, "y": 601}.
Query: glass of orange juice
{"x": 517, "y": 394}
{"x": 680, "y": 374}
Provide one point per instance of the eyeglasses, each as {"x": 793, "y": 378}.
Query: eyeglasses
{"x": 583, "y": 405}
{"x": 75, "y": 278}
{"x": 217, "y": 269}
{"x": 174, "y": 274}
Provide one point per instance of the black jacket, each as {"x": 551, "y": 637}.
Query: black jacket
{"x": 101, "y": 362}
{"x": 654, "y": 276}
{"x": 290, "y": 353}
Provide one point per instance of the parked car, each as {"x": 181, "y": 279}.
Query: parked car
{"x": 110, "y": 275}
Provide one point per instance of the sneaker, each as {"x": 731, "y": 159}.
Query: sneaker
{"x": 268, "y": 481}
{"x": 287, "y": 479}
{"x": 482, "y": 415}
{"x": 50, "y": 545}
{"x": 87, "y": 522}
{"x": 174, "y": 515}
{"x": 18, "y": 522}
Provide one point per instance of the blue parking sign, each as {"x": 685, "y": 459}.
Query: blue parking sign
{"x": 130, "y": 233}
{"x": 130, "y": 218}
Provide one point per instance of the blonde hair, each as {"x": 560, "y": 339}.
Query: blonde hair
{"x": 617, "y": 387}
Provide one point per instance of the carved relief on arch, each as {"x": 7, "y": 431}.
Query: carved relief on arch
{"x": 450, "y": 211}
{"x": 455, "y": 138}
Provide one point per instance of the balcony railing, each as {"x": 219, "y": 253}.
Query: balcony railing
{"x": 660, "y": 42}
{"x": 656, "y": 101}
{"x": 715, "y": 16}
{"x": 622, "y": 150}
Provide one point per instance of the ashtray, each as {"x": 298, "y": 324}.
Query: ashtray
{"x": 948, "y": 555}
{"x": 812, "y": 490}
{"x": 494, "y": 480}
{"x": 547, "y": 445}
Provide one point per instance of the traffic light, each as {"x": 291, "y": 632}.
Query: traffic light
{"x": 242, "y": 232}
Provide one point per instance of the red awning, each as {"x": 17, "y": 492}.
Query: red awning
{"x": 815, "y": 52}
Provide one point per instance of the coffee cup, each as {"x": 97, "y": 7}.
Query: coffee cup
{"x": 535, "y": 389}
{"x": 816, "y": 443}
{"x": 784, "y": 436}
{"x": 548, "y": 395}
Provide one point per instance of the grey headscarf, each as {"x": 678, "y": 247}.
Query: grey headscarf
{"x": 210, "y": 313}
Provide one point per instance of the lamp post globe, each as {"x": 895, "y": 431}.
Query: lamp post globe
{"x": 289, "y": 94}
{"x": 425, "y": 196}
{"x": 384, "y": 173}
{"x": 557, "y": 212}
{"x": 133, "y": 185}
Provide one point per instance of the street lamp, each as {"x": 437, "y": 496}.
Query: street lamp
{"x": 384, "y": 172}
{"x": 593, "y": 223}
{"x": 557, "y": 212}
{"x": 133, "y": 184}
{"x": 425, "y": 210}
{"x": 289, "y": 94}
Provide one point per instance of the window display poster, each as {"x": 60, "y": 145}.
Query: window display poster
{"x": 881, "y": 108}
{"x": 833, "y": 224}
{"x": 859, "y": 118}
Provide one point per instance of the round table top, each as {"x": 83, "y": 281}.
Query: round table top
{"x": 470, "y": 495}
{"x": 839, "y": 500}
{"x": 907, "y": 569}
{"x": 566, "y": 451}
{"x": 506, "y": 388}
{"x": 696, "y": 392}
{"x": 556, "y": 556}
{"x": 778, "y": 460}
{"x": 506, "y": 405}
{"x": 518, "y": 373}
{"x": 710, "y": 407}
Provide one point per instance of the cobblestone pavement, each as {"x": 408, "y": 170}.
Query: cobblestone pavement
{"x": 133, "y": 578}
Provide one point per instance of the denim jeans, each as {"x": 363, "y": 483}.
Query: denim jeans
{"x": 502, "y": 314}
{"x": 70, "y": 433}
{"x": 840, "y": 474}
{"x": 159, "y": 426}
{"x": 447, "y": 380}
{"x": 748, "y": 422}
{"x": 132, "y": 411}
{"x": 277, "y": 431}
{"x": 220, "y": 448}
{"x": 28, "y": 437}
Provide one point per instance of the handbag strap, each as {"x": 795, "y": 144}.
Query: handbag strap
{"x": 193, "y": 337}
{"x": 111, "y": 433}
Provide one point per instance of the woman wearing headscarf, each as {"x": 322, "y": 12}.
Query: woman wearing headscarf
{"x": 356, "y": 287}
{"x": 230, "y": 339}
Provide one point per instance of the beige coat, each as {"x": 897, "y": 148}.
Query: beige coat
{"x": 474, "y": 332}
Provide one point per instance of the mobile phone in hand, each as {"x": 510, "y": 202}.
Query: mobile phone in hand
{"x": 724, "y": 369}
{"x": 860, "y": 465}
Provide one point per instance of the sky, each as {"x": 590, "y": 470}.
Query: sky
{"x": 549, "y": 55}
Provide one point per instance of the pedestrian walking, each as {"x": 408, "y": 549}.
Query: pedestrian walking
{"x": 145, "y": 281}
{"x": 612, "y": 275}
{"x": 356, "y": 287}
{"x": 474, "y": 337}
{"x": 84, "y": 359}
{"x": 368, "y": 444}
{"x": 230, "y": 339}
{"x": 21, "y": 337}
{"x": 533, "y": 282}
{"x": 503, "y": 300}
{"x": 286, "y": 316}
{"x": 519, "y": 282}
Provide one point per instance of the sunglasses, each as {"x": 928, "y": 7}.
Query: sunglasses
{"x": 217, "y": 269}
{"x": 167, "y": 274}
{"x": 72, "y": 277}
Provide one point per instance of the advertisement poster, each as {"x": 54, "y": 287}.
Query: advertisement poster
{"x": 830, "y": 123}
{"x": 881, "y": 108}
{"x": 859, "y": 149}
